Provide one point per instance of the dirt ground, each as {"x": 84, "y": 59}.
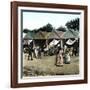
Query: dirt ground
{"x": 46, "y": 66}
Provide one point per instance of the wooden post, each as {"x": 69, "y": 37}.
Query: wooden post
{"x": 61, "y": 43}
{"x": 33, "y": 43}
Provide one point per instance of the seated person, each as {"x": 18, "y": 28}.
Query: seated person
{"x": 67, "y": 58}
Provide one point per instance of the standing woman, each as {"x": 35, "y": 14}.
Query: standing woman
{"x": 59, "y": 58}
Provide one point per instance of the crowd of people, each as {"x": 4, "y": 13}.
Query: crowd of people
{"x": 63, "y": 55}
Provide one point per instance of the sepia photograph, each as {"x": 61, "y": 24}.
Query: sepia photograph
{"x": 50, "y": 43}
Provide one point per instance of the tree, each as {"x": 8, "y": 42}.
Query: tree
{"x": 47, "y": 28}
{"x": 35, "y": 30}
{"x": 61, "y": 28}
{"x": 73, "y": 24}
{"x": 26, "y": 30}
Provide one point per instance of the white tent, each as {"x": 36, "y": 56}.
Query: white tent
{"x": 70, "y": 42}
{"x": 53, "y": 42}
{"x": 24, "y": 34}
{"x": 29, "y": 41}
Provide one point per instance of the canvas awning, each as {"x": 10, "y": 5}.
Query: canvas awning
{"x": 29, "y": 36}
{"x": 70, "y": 42}
{"x": 70, "y": 34}
{"x": 41, "y": 35}
{"x": 53, "y": 43}
{"x": 55, "y": 35}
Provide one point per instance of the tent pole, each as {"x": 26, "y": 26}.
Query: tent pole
{"x": 61, "y": 43}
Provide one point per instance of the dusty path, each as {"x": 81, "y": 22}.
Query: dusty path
{"x": 46, "y": 66}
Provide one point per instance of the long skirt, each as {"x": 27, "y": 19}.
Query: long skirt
{"x": 59, "y": 60}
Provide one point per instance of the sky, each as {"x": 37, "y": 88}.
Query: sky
{"x": 35, "y": 20}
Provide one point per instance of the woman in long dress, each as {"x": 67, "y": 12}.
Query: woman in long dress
{"x": 59, "y": 58}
